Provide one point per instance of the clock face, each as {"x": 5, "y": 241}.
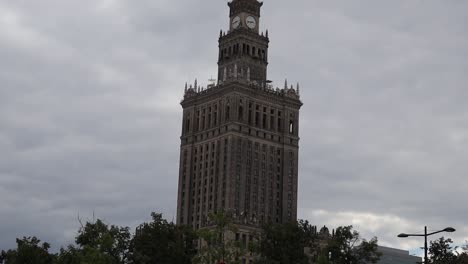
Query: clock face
{"x": 236, "y": 22}
{"x": 251, "y": 22}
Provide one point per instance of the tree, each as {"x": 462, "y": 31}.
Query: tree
{"x": 299, "y": 242}
{"x": 28, "y": 251}
{"x": 162, "y": 242}
{"x": 283, "y": 243}
{"x": 217, "y": 243}
{"x": 441, "y": 251}
{"x": 98, "y": 243}
{"x": 463, "y": 257}
{"x": 104, "y": 244}
{"x": 70, "y": 255}
{"x": 323, "y": 259}
{"x": 347, "y": 247}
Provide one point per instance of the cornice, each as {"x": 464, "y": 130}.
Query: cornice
{"x": 251, "y": 89}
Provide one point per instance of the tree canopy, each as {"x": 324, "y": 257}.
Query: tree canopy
{"x": 299, "y": 242}
{"x": 163, "y": 242}
{"x": 29, "y": 251}
{"x": 441, "y": 252}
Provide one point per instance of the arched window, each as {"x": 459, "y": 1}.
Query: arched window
{"x": 291, "y": 127}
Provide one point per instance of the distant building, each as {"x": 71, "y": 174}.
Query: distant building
{"x": 397, "y": 256}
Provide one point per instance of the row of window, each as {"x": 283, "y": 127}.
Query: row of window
{"x": 256, "y": 115}
{"x": 263, "y": 182}
{"x": 243, "y": 50}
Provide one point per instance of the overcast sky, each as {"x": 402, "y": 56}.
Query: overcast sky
{"x": 90, "y": 117}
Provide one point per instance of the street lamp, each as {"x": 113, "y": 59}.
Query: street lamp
{"x": 448, "y": 229}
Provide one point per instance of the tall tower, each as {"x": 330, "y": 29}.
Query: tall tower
{"x": 240, "y": 136}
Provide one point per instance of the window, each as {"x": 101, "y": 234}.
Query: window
{"x": 241, "y": 113}
{"x": 228, "y": 110}
{"x": 187, "y": 124}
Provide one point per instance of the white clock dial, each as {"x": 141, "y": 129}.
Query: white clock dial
{"x": 251, "y": 22}
{"x": 236, "y": 22}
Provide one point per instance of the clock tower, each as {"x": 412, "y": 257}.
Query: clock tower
{"x": 240, "y": 135}
{"x": 243, "y": 47}
{"x": 245, "y": 13}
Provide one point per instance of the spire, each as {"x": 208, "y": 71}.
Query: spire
{"x": 186, "y": 87}
{"x": 286, "y": 84}
{"x": 196, "y": 83}
{"x": 220, "y": 33}
{"x": 266, "y": 34}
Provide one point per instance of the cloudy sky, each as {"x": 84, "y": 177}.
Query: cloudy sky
{"x": 90, "y": 114}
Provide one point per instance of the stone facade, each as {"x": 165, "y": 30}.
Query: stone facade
{"x": 240, "y": 136}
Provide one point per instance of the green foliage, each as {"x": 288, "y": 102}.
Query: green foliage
{"x": 104, "y": 244}
{"x": 323, "y": 259}
{"x": 462, "y": 258}
{"x": 162, "y": 242}
{"x": 28, "y": 251}
{"x": 283, "y": 243}
{"x": 347, "y": 247}
{"x": 215, "y": 244}
{"x": 166, "y": 243}
{"x": 70, "y": 255}
{"x": 100, "y": 243}
{"x": 441, "y": 251}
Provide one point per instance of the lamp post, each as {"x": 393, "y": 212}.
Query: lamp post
{"x": 448, "y": 229}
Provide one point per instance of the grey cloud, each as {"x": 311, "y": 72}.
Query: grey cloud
{"x": 90, "y": 115}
